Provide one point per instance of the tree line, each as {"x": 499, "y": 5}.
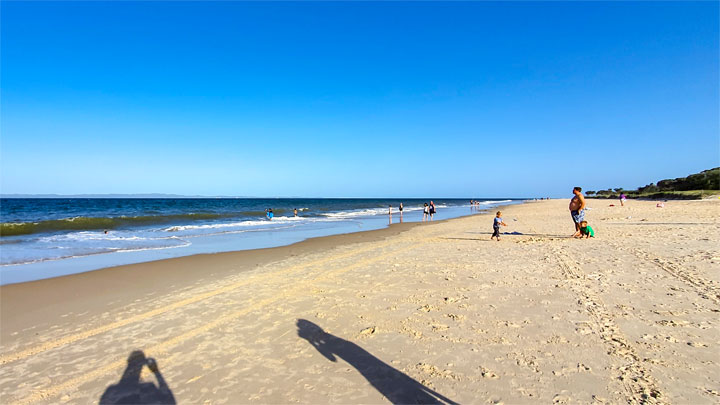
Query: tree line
{"x": 707, "y": 180}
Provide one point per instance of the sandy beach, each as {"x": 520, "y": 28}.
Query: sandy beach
{"x": 417, "y": 313}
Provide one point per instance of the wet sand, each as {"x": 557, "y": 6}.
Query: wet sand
{"x": 414, "y": 313}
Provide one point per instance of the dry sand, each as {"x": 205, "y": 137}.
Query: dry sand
{"x": 427, "y": 313}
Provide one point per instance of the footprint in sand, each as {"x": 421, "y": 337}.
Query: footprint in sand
{"x": 583, "y": 328}
{"x": 488, "y": 374}
{"x": 697, "y": 344}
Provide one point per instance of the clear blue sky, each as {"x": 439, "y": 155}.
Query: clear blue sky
{"x": 356, "y": 99}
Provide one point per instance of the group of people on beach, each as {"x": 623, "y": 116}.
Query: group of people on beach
{"x": 577, "y": 212}
{"x": 428, "y": 211}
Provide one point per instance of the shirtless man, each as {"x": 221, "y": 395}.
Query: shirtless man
{"x": 577, "y": 209}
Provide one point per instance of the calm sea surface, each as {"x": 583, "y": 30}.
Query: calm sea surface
{"x": 42, "y": 238}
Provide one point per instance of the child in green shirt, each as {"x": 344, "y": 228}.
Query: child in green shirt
{"x": 586, "y": 230}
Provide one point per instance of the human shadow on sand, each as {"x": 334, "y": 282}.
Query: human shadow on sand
{"x": 130, "y": 390}
{"x": 397, "y": 387}
{"x": 515, "y": 233}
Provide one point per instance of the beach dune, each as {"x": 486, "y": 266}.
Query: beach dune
{"x": 417, "y": 313}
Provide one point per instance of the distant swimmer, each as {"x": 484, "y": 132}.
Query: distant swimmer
{"x": 390, "y": 210}
{"x": 295, "y": 211}
{"x": 577, "y": 209}
{"x": 269, "y": 214}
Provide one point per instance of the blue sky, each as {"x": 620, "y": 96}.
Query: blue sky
{"x": 356, "y": 99}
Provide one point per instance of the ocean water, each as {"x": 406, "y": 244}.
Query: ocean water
{"x": 42, "y": 238}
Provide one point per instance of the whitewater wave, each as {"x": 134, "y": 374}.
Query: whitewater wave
{"x": 90, "y": 223}
{"x": 237, "y": 224}
{"x": 494, "y": 202}
{"x": 355, "y": 213}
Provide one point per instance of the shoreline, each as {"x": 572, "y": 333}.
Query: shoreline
{"x": 26, "y": 302}
{"x": 189, "y": 245}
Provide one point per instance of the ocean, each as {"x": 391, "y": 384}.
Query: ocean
{"x": 42, "y": 238}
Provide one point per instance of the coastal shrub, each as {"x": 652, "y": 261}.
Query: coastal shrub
{"x": 694, "y": 186}
{"x": 650, "y": 188}
{"x": 705, "y": 180}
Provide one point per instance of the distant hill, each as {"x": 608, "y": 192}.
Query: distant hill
{"x": 694, "y": 186}
{"x": 705, "y": 180}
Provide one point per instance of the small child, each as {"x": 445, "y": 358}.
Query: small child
{"x": 496, "y": 226}
{"x": 586, "y": 230}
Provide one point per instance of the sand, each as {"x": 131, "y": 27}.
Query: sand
{"x": 415, "y": 313}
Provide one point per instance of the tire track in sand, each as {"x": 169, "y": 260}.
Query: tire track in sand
{"x": 34, "y": 350}
{"x": 166, "y": 346}
{"x": 640, "y": 386}
{"x": 705, "y": 288}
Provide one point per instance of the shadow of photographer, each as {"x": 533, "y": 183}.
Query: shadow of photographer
{"x": 396, "y": 386}
{"x": 130, "y": 390}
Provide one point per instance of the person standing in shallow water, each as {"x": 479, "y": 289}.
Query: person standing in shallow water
{"x": 432, "y": 210}
{"x": 577, "y": 209}
{"x": 426, "y": 212}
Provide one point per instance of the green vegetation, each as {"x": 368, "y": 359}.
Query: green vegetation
{"x": 693, "y": 187}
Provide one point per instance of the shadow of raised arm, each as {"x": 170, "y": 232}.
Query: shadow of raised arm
{"x": 396, "y": 386}
{"x": 130, "y": 390}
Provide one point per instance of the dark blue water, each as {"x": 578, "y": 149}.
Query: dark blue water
{"x": 61, "y": 236}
